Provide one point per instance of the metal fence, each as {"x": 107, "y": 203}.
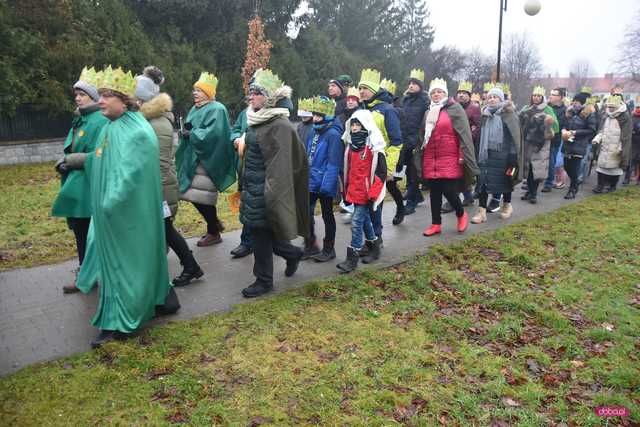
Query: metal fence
{"x": 31, "y": 123}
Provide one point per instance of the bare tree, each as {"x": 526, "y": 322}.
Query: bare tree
{"x": 478, "y": 68}
{"x": 445, "y": 62}
{"x": 579, "y": 72}
{"x": 628, "y": 63}
{"x": 521, "y": 66}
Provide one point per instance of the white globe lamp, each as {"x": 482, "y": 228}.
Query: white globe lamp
{"x": 532, "y": 7}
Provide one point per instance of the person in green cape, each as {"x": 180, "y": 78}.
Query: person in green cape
{"x": 126, "y": 244}
{"x": 275, "y": 180}
{"x": 73, "y": 201}
{"x": 205, "y": 158}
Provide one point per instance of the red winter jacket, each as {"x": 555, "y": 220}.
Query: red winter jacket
{"x": 359, "y": 173}
{"x": 442, "y": 155}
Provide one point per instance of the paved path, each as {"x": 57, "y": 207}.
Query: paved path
{"x": 39, "y": 323}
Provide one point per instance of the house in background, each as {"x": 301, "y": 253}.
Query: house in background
{"x": 600, "y": 85}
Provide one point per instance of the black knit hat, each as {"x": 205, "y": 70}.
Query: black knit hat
{"x": 338, "y": 83}
{"x": 581, "y": 97}
{"x": 418, "y": 82}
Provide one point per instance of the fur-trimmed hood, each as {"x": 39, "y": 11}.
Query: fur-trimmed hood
{"x": 584, "y": 113}
{"x": 283, "y": 91}
{"x": 161, "y": 105}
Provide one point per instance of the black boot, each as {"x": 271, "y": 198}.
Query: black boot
{"x": 311, "y": 248}
{"x": 256, "y": 289}
{"x": 328, "y": 252}
{"x": 190, "y": 272}
{"x": 351, "y": 262}
{"x": 399, "y": 215}
{"x": 106, "y": 336}
{"x": 292, "y": 265}
{"x": 374, "y": 251}
{"x": 571, "y": 194}
{"x": 241, "y": 251}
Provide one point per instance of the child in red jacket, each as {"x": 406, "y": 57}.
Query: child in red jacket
{"x": 365, "y": 171}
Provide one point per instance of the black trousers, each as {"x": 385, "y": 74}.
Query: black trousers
{"x": 605, "y": 180}
{"x": 210, "y": 215}
{"x": 532, "y": 184}
{"x": 484, "y": 197}
{"x": 392, "y": 188}
{"x": 176, "y": 242}
{"x": 572, "y": 167}
{"x": 80, "y": 228}
{"x": 264, "y": 246}
{"x": 446, "y": 188}
{"x": 326, "y": 205}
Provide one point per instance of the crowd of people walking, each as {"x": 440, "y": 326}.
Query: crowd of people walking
{"x": 122, "y": 175}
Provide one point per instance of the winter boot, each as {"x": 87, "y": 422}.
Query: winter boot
{"x": 506, "y": 210}
{"x": 328, "y": 252}
{"x": 399, "y": 217}
{"x": 374, "y": 251}
{"x": 191, "y": 271}
{"x": 311, "y": 248}
{"x": 480, "y": 216}
{"x": 351, "y": 262}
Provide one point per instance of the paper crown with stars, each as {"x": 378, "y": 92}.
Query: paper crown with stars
{"x": 116, "y": 80}
{"x": 417, "y": 74}
{"x": 539, "y": 90}
{"x": 323, "y": 105}
{"x": 465, "y": 86}
{"x": 389, "y": 85}
{"x": 370, "y": 79}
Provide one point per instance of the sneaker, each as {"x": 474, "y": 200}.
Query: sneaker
{"x": 434, "y": 229}
{"x": 463, "y": 222}
{"x": 480, "y": 216}
{"x": 493, "y": 206}
{"x": 559, "y": 185}
{"x": 506, "y": 210}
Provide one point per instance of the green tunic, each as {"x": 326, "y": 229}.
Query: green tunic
{"x": 126, "y": 242}
{"x": 73, "y": 201}
{"x": 208, "y": 145}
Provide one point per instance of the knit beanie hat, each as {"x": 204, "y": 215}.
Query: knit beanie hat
{"x": 345, "y": 79}
{"x": 87, "y": 88}
{"x": 148, "y": 84}
{"x": 581, "y": 97}
{"x": 420, "y": 83}
{"x": 339, "y": 84}
{"x": 496, "y": 91}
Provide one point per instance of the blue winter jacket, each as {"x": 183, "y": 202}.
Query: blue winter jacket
{"x": 325, "y": 163}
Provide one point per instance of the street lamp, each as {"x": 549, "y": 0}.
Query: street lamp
{"x": 531, "y": 8}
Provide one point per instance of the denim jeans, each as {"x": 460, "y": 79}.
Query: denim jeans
{"x": 361, "y": 224}
{"x": 555, "y": 147}
{"x": 246, "y": 239}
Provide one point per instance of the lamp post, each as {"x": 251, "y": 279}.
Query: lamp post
{"x": 531, "y": 7}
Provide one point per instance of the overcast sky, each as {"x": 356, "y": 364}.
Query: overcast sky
{"x": 564, "y": 30}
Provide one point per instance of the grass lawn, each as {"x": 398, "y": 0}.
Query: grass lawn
{"x": 534, "y": 324}
{"x": 30, "y": 236}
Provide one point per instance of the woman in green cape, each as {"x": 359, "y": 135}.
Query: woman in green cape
{"x": 206, "y": 159}
{"x": 73, "y": 201}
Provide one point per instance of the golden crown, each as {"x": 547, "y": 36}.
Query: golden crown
{"x": 613, "y": 100}
{"x": 353, "y": 92}
{"x": 438, "y": 83}
{"x": 417, "y": 74}
{"x": 116, "y": 80}
{"x": 370, "y": 78}
{"x": 323, "y": 105}
{"x": 209, "y": 79}
{"x": 305, "y": 104}
{"x": 587, "y": 89}
{"x": 592, "y": 100}
{"x": 389, "y": 85}
{"x": 539, "y": 90}
{"x": 465, "y": 86}
{"x": 265, "y": 79}
{"x": 487, "y": 86}
{"x": 89, "y": 76}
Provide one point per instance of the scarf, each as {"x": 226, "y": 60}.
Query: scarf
{"x": 263, "y": 115}
{"x": 201, "y": 103}
{"x": 492, "y": 133}
{"x": 432, "y": 119}
{"x": 621, "y": 109}
{"x": 358, "y": 140}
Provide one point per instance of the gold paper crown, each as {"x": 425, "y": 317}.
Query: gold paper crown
{"x": 323, "y": 105}
{"x": 587, "y": 89}
{"x": 116, "y": 80}
{"x": 613, "y": 100}
{"x": 89, "y": 76}
{"x": 539, "y": 90}
{"x": 209, "y": 79}
{"x": 370, "y": 78}
{"x": 487, "y": 86}
{"x": 417, "y": 74}
{"x": 389, "y": 85}
{"x": 438, "y": 83}
{"x": 592, "y": 100}
{"x": 475, "y": 97}
{"x": 506, "y": 89}
{"x": 465, "y": 86}
{"x": 305, "y": 104}
{"x": 265, "y": 79}
{"x": 353, "y": 92}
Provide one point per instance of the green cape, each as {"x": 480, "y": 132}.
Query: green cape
{"x": 126, "y": 242}
{"x": 73, "y": 201}
{"x": 208, "y": 145}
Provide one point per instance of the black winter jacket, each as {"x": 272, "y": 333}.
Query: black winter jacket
{"x": 414, "y": 105}
{"x": 585, "y": 123}
{"x": 253, "y": 178}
